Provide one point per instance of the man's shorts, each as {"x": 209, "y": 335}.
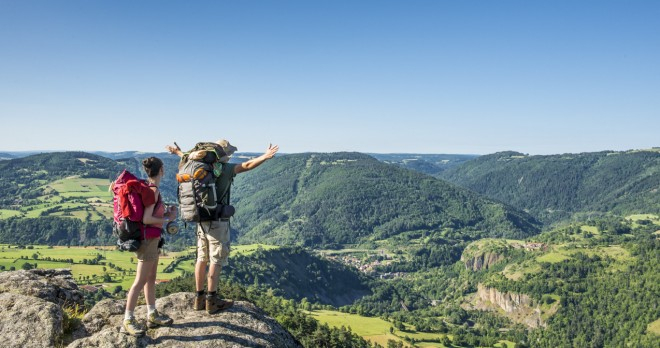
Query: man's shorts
{"x": 148, "y": 250}
{"x": 213, "y": 242}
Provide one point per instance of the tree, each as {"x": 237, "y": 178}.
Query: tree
{"x": 445, "y": 341}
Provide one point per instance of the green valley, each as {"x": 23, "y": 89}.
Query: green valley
{"x": 348, "y": 240}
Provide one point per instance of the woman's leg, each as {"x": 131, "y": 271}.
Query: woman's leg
{"x": 150, "y": 285}
{"x": 142, "y": 276}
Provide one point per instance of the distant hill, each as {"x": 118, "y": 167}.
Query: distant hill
{"x": 431, "y": 164}
{"x": 6, "y": 156}
{"x": 22, "y": 177}
{"x": 557, "y": 186}
{"x": 296, "y": 273}
{"x": 308, "y": 199}
{"x": 320, "y": 199}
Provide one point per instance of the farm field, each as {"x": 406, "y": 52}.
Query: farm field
{"x": 102, "y": 266}
{"x": 74, "y": 197}
{"x": 376, "y": 330}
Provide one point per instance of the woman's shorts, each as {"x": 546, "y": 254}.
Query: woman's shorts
{"x": 148, "y": 250}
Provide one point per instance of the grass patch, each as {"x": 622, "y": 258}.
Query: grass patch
{"x": 590, "y": 229}
{"x": 74, "y": 197}
{"x": 122, "y": 272}
{"x": 6, "y": 213}
{"x": 654, "y": 327}
{"x": 250, "y": 248}
{"x": 552, "y": 257}
{"x": 375, "y": 329}
{"x": 637, "y": 217}
{"x": 515, "y": 271}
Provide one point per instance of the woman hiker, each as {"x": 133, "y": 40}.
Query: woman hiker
{"x": 155, "y": 216}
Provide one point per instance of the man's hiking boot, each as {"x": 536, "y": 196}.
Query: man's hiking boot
{"x": 156, "y": 319}
{"x": 200, "y": 302}
{"x": 215, "y": 304}
{"x": 131, "y": 327}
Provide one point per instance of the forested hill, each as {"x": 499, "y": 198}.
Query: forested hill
{"x": 6, "y": 156}
{"x": 320, "y": 199}
{"x": 431, "y": 164}
{"x": 557, "y": 186}
{"x": 22, "y": 177}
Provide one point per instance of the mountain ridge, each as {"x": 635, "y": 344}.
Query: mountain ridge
{"x": 347, "y": 197}
{"x": 555, "y": 187}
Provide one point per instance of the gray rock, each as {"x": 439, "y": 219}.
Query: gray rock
{"x": 31, "y": 315}
{"x": 27, "y": 321}
{"x": 53, "y": 285}
{"x": 243, "y": 325}
{"x": 517, "y": 307}
{"x": 107, "y": 313}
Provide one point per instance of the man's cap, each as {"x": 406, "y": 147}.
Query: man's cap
{"x": 228, "y": 148}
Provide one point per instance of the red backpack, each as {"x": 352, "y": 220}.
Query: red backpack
{"x": 130, "y": 196}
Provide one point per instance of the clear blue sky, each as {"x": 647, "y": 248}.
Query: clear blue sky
{"x": 539, "y": 77}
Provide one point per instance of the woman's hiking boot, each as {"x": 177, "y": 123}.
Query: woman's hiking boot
{"x": 156, "y": 319}
{"x": 200, "y": 302}
{"x": 215, "y": 304}
{"x": 131, "y": 327}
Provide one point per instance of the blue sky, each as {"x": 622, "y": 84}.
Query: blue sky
{"x": 539, "y": 77}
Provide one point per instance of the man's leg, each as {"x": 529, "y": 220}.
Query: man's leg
{"x": 200, "y": 275}
{"x": 200, "y": 266}
{"x": 214, "y": 277}
{"x": 218, "y": 238}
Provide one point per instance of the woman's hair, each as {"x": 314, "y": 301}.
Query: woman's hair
{"x": 152, "y": 166}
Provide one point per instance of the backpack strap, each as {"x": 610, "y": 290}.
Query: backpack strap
{"x": 228, "y": 190}
{"x": 159, "y": 201}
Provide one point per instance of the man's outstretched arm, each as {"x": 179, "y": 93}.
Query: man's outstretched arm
{"x": 174, "y": 150}
{"x": 255, "y": 162}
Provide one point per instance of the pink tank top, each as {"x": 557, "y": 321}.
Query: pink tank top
{"x": 154, "y": 231}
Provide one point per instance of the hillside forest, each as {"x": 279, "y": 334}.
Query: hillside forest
{"x": 500, "y": 250}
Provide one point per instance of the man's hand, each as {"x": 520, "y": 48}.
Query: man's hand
{"x": 173, "y": 150}
{"x": 271, "y": 151}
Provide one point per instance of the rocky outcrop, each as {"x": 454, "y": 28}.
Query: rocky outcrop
{"x": 52, "y": 285}
{"x": 27, "y": 321}
{"x": 243, "y": 325}
{"x": 482, "y": 261}
{"x": 517, "y": 307}
{"x": 31, "y": 315}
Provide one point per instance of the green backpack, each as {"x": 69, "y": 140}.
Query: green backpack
{"x": 198, "y": 170}
{"x": 206, "y": 152}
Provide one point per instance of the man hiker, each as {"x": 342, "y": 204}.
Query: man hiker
{"x": 213, "y": 236}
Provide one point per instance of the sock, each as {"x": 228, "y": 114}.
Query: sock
{"x": 212, "y": 294}
{"x": 151, "y": 309}
{"x": 128, "y": 314}
{"x": 200, "y": 293}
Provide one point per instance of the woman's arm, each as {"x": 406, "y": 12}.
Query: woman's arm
{"x": 149, "y": 219}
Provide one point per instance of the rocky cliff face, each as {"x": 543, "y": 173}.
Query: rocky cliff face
{"x": 517, "y": 307}
{"x": 481, "y": 261}
{"x": 31, "y": 315}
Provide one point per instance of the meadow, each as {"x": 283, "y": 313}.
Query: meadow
{"x": 75, "y": 197}
{"x": 378, "y": 330}
{"x": 103, "y": 266}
